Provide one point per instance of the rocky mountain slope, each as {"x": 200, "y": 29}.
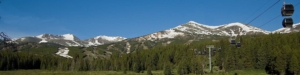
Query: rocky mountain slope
{"x": 70, "y": 40}
{"x": 194, "y": 28}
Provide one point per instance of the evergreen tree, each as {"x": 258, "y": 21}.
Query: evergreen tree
{"x": 167, "y": 69}
{"x": 149, "y": 70}
{"x": 180, "y": 69}
{"x": 294, "y": 64}
{"x": 261, "y": 60}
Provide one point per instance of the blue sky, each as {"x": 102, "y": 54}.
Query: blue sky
{"x": 130, "y": 18}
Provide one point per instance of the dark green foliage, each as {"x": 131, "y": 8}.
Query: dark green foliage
{"x": 294, "y": 65}
{"x": 149, "y": 70}
{"x": 75, "y": 51}
{"x": 167, "y": 69}
{"x": 29, "y": 39}
{"x": 272, "y": 52}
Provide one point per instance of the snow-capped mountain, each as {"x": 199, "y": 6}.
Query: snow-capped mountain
{"x": 191, "y": 28}
{"x": 65, "y": 39}
{"x": 296, "y": 28}
{"x": 231, "y": 29}
{"x": 70, "y": 40}
{"x": 99, "y": 40}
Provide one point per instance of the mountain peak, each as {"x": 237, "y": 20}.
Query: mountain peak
{"x": 68, "y": 36}
{"x": 40, "y": 36}
{"x": 45, "y": 35}
{"x": 192, "y": 22}
{"x": 237, "y": 24}
{"x": 195, "y": 24}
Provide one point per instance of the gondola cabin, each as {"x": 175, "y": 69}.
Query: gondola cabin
{"x": 287, "y": 10}
{"x": 232, "y": 41}
{"x": 238, "y": 45}
{"x": 204, "y": 52}
{"x": 198, "y": 52}
{"x": 214, "y": 50}
{"x": 287, "y": 23}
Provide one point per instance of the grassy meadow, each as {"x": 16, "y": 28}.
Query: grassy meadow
{"x": 160, "y": 72}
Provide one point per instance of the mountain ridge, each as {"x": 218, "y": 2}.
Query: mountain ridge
{"x": 70, "y": 39}
{"x": 189, "y": 28}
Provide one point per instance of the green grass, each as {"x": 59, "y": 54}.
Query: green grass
{"x": 241, "y": 72}
{"x": 160, "y": 72}
{"x": 46, "y": 72}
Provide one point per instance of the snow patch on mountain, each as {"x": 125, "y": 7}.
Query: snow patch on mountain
{"x": 195, "y": 28}
{"x": 76, "y": 43}
{"x": 110, "y": 38}
{"x": 22, "y": 39}
{"x": 170, "y": 34}
{"x": 207, "y": 26}
{"x": 73, "y": 43}
{"x": 94, "y": 44}
{"x": 232, "y": 31}
{"x": 43, "y": 41}
{"x": 63, "y": 52}
{"x": 181, "y": 28}
{"x": 102, "y": 39}
{"x": 246, "y": 28}
{"x": 40, "y": 36}
{"x": 68, "y": 36}
{"x": 227, "y": 34}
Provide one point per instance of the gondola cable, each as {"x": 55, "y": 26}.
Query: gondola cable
{"x": 259, "y": 16}
{"x": 297, "y": 3}
{"x": 262, "y": 13}
{"x": 256, "y": 10}
{"x": 274, "y": 18}
{"x": 269, "y": 21}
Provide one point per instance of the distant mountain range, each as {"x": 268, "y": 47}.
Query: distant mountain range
{"x": 190, "y": 28}
{"x": 70, "y": 40}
